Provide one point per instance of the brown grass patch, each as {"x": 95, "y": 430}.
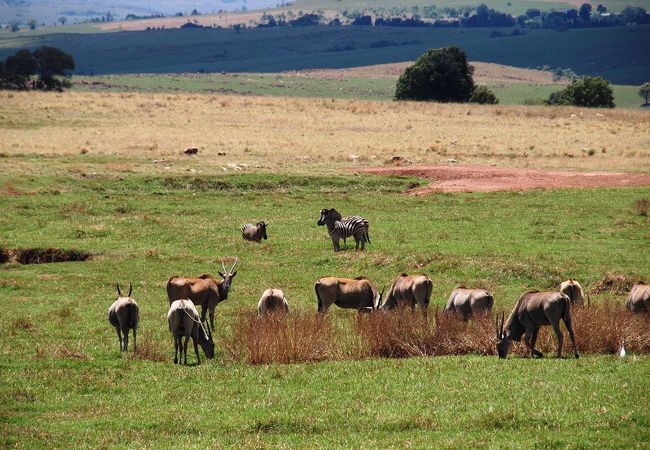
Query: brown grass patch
{"x": 148, "y": 350}
{"x": 41, "y": 255}
{"x": 615, "y": 283}
{"x": 63, "y": 351}
{"x": 281, "y": 339}
{"x": 641, "y": 206}
{"x": 23, "y": 323}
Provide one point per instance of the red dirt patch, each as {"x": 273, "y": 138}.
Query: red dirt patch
{"x": 491, "y": 179}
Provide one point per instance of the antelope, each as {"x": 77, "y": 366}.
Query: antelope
{"x": 254, "y": 233}
{"x": 574, "y": 291}
{"x": 533, "y": 310}
{"x": 358, "y": 293}
{"x": 204, "y": 290}
{"x": 639, "y": 299}
{"x": 272, "y": 301}
{"x": 183, "y": 320}
{"x": 409, "y": 290}
{"x": 124, "y": 315}
{"x": 469, "y": 302}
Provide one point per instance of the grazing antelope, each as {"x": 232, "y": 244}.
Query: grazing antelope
{"x": 574, "y": 291}
{"x": 204, "y": 290}
{"x": 409, "y": 290}
{"x": 469, "y": 302}
{"x": 272, "y": 301}
{"x": 183, "y": 320}
{"x": 533, "y": 310}
{"x": 254, "y": 233}
{"x": 342, "y": 228}
{"x": 124, "y": 315}
{"x": 639, "y": 299}
{"x": 358, "y": 293}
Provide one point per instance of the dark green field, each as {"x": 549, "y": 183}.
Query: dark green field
{"x": 615, "y": 53}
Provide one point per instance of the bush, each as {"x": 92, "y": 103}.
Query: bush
{"x": 591, "y": 92}
{"x": 441, "y": 75}
{"x": 52, "y": 65}
{"x": 484, "y": 96}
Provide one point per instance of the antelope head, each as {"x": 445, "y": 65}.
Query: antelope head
{"x": 119, "y": 293}
{"x": 503, "y": 343}
{"x": 206, "y": 342}
{"x": 228, "y": 275}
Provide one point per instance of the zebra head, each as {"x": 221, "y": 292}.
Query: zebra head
{"x": 328, "y": 216}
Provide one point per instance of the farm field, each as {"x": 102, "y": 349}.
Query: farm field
{"x": 308, "y": 84}
{"x": 104, "y": 173}
{"x": 279, "y": 50}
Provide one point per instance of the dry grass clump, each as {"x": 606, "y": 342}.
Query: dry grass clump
{"x": 41, "y": 255}
{"x": 279, "y": 338}
{"x": 148, "y": 350}
{"x": 64, "y": 351}
{"x": 641, "y": 206}
{"x": 615, "y": 283}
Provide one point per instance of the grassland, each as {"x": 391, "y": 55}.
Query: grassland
{"x": 276, "y": 50}
{"x": 297, "y": 85}
{"x": 78, "y": 172}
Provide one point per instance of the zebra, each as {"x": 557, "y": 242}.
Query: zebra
{"x": 342, "y": 228}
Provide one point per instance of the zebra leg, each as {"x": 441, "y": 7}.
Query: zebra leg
{"x": 336, "y": 244}
{"x": 356, "y": 243}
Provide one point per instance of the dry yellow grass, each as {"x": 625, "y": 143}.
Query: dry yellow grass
{"x": 147, "y": 133}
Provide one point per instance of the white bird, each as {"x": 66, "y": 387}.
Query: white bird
{"x": 621, "y": 351}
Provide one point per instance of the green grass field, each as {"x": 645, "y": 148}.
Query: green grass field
{"x": 610, "y": 52}
{"x": 64, "y": 384}
{"x": 286, "y": 85}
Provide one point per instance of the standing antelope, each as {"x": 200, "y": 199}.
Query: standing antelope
{"x": 254, "y": 233}
{"x": 183, "y": 320}
{"x": 272, "y": 301}
{"x": 358, "y": 293}
{"x": 639, "y": 298}
{"x": 204, "y": 290}
{"x": 124, "y": 315}
{"x": 573, "y": 290}
{"x": 342, "y": 228}
{"x": 533, "y": 310}
{"x": 469, "y": 302}
{"x": 409, "y": 290}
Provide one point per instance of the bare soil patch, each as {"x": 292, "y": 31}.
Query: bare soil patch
{"x": 492, "y": 179}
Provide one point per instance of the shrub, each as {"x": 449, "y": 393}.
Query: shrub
{"x": 483, "y": 95}
{"x": 441, "y": 75}
{"x": 591, "y": 92}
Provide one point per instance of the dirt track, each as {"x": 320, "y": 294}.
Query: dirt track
{"x": 491, "y": 179}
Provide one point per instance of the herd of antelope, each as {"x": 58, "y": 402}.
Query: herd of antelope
{"x": 533, "y": 310}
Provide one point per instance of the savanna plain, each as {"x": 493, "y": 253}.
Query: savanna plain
{"x": 105, "y": 173}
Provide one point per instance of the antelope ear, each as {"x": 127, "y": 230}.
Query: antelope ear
{"x": 233, "y": 274}
{"x": 222, "y": 276}
{"x": 118, "y": 289}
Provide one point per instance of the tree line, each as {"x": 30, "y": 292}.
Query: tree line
{"x": 46, "y": 68}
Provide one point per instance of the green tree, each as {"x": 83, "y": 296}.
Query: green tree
{"x": 441, "y": 75}
{"x": 32, "y": 23}
{"x": 585, "y": 12}
{"x": 644, "y": 91}
{"x": 591, "y": 92}
{"x": 17, "y": 70}
{"x": 63, "y": 20}
{"x": 484, "y": 96}
{"x": 54, "y": 68}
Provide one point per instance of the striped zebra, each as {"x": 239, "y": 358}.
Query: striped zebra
{"x": 342, "y": 228}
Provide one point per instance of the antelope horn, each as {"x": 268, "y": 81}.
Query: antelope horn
{"x": 130, "y": 289}
{"x": 223, "y": 267}
{"x": 496, "y": 325}
{"x": 118, "y": 289}
{"x": 233, "y": 266}
{"x": 503, "y": 319}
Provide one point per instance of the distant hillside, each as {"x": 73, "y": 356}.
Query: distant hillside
{"x": 615, "y": 52}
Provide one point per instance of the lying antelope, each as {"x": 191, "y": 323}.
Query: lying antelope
{"x": 408, "y": 291}
{"x": 358, "y": 293}
{"x": 469, "y": 302}
{"x": 533, "y": 310}
{"x": 183, "y": 320}
{"x": 124, "y": 315}
{"x": 254, "y": 233}
{"x": 639, "y": 299}
{"x": 204, "y": 290}
{"x": 573, "y": 290}
{"x": 272, "y": 301}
